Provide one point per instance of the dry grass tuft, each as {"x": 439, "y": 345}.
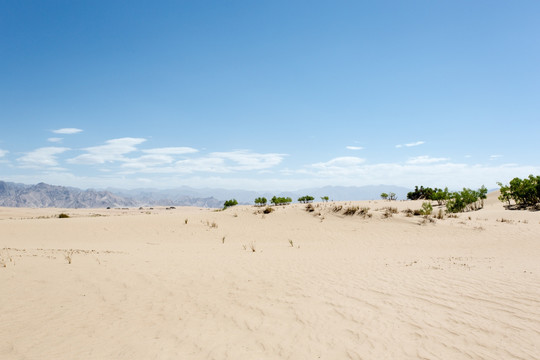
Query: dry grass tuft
{"x": 291, "y": 243}
{"x": 68, "y": 255}
{"x": 310, "y": 208}
{"x": 63, "y": 216}
{"x": 337, "y": 208}
{"x": 351, "y": 210}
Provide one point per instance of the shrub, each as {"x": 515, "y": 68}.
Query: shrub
{"x": 364, "y": 212}
{"x": 422, "y": 193}
{"x": 281, "y": 200}
{"x": 325, "y": 198}
{"x": 427, "y": 208}
{"x": 384, "y": 196}
{"x": 230, "y": 203}
{"x": 337, "y": 208}
{"x": 351, "y": 210}
{"x": 268, "y": 210}
{"x": 310, "y": 208}
{"x": 466, "y": 200}
{"x": 63, "y": 216}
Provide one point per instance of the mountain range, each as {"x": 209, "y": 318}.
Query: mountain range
{"x": 45, "y": 195}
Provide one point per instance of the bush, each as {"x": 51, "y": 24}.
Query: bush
{"x": 525, "y": 192}
{"x": 325, "y": 198}
{"x": 230, "y": 203}
{"x": 63, "y": 216}
{"x": 281, "y": 200}
{"x": 268, "y": 210}
{"x": 466, "y": 200}
{"x": 306, "y": 199}
{"x": 351, "y": 210}
{"x": 310, "y": 208}
{"x": 427, "y": 208}
{"x": 260, "y": 201}
{"x": 384, "y": 196}
{"x": 428, "y": 193}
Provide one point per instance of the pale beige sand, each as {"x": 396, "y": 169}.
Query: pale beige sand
{"x": 148, "y": 286}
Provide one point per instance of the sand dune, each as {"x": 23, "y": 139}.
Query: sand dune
{"x": 143, "y": 284}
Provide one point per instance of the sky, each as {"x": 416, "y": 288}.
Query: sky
{"x": 269, "y": 95}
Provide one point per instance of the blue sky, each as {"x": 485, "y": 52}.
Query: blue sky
{"x": 269, "y": 95}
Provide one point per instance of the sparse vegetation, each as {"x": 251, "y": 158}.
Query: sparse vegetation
{"x": 364, "y": 212}
{"x": 291, "y": 243}
{"x": 185, "y": 221}
{"x": 389, "y": 212}
{"x": 325, "y": 198}
{"x": 63, "y": 216}
{"x": 337, "y": 208}
{"x": 268, "y": 210}
{"x": 310, "y": 208}
{"x": 384, "y": 196}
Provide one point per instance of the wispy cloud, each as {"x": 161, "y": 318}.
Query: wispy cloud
{"x": 493, "y": 157}
{"x": 247, "y": 160}
{"x": 354, "y": 147}
{"x": 42, "y": 157}
{"x": 3, "y": 152}
{"x": 417, "y": 143}
{"x": 54, "y": 139}
{"x": 67, "y": 131}
{"x": 425, "y": 159}
{"x": 113, "y": 150}
{"x": 171, "y": 151}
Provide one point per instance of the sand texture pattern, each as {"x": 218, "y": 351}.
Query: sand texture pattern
{"x": 192, "y": 283}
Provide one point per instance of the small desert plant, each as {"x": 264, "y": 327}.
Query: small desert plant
{"x": 268, "y": 210}
{"x": 306, "y": 199}
{"x": 223, "y": 240}
{"x": 214, "y": 225}
{"x": 337, "y": 208}
{"x": 69, "y": 255}
{"x": 364, "y": 212}
{"x": 440, "y": 214}
{"x": 325, "y": 198}
{"x": 351, "y": 210}
{"x": 503, "y": 220}
{"x": 408, "y": 212}
{"x": 291, "y": 243}
{"x": 252, "y": 246}
{"x": 185, "y": 221}
{"x": 63, "y": 216}
{"x": 427, "y": 220}
{"x": 427, "y": 208}
{"x": 310, "y": 208}
{"x": 260, "y": 201}
{"x": 389, "y": 211}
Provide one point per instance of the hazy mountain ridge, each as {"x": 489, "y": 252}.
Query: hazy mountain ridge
{"x": 44, "y": 195}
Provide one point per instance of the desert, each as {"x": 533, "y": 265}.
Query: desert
{"x": 196, "y": 283}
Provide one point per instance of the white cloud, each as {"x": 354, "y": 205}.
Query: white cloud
{"x": 338, "y": 166}
{"x": 425, "y": 159}
{"x": 45, "y": 156}
{"x": 113, "y": 150}
{"x": 54, "y": 139}
{"x": 354, "y": 147}
{"x": 246, "y": 160}
{"x": 3, "y": 152}
{"x": 417, "y": 143}
{"x": 171, "y": 150}
{"x": 67, "y": 131}
{"x": 493, "y": 157}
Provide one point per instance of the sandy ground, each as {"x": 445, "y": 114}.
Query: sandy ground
{"x": 234, "y": 284}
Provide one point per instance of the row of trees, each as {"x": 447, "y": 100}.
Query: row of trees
{"x": 262, "y": 201}
{"x": 456, "y": 201}
{"x": 525, "y": 192}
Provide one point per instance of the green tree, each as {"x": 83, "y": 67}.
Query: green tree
{"x": 306, "y": 199}
{"x": 260, "y": 201}
{"x": 384, "y": 196}
{"x": 325, "y": 198}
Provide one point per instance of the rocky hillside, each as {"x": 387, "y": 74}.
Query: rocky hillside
{"x": 44, "y": 195}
